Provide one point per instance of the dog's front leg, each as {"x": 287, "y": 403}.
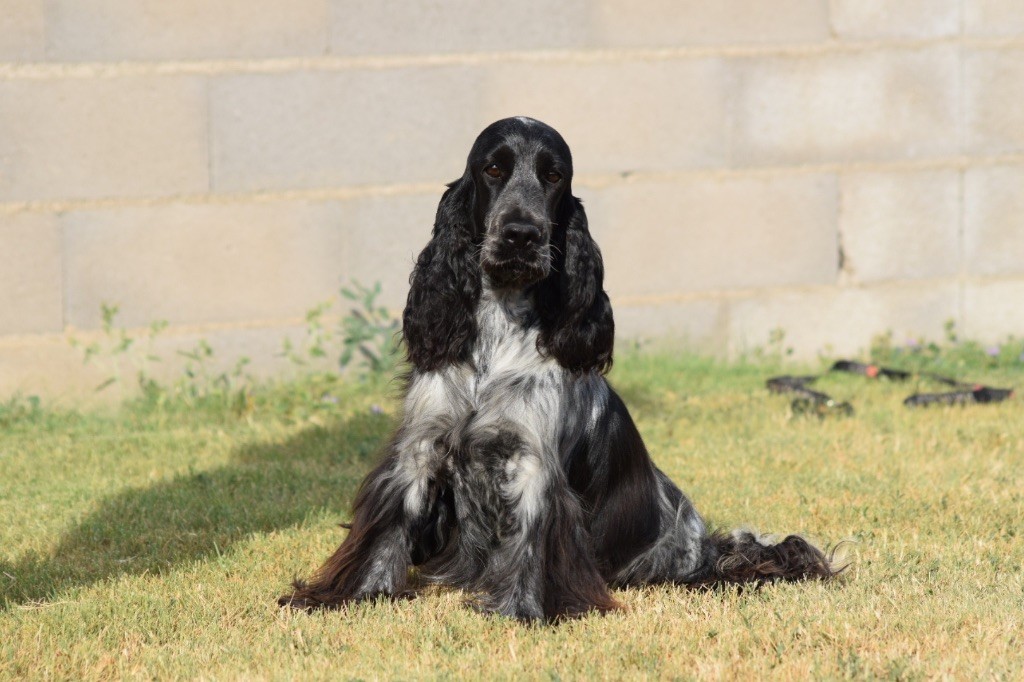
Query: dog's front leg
{"x": 510, "y": 481}
{"x": 374, "y": 558}
{"x": 517, "y": 509}
{"x": 541, "y": 560}
{"x": 390, "y": 511}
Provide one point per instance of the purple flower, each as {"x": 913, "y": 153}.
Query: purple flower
{"x": 376, "y": 409}
{"x": 992, "y": 351}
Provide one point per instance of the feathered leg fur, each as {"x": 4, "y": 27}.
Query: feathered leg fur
{"x": 374, "y": 558}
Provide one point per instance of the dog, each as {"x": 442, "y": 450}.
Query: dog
{"x": 517, "y": 473}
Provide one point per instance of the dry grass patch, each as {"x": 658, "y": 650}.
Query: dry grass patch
{"x": 152, "y": 542}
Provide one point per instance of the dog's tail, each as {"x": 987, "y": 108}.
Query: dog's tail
{"x": 742, "y": 558}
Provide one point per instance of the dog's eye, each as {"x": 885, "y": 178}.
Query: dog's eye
{"x": 553, "y": 177}
{"x": 493, "y": 171}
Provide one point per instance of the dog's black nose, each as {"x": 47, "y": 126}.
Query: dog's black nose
{"x": 520, "y": 235}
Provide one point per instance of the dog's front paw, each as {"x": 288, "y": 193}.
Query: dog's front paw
{"x": 307, "y": 603}
{"x": 301, "y": 600}
{"x": 523, "y": 612}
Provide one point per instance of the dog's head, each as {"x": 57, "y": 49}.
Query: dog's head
{"x": 512, "y": 217}
{"x": 521, "y": 171}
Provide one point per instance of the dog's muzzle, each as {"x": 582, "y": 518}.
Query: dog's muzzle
{"x": 518, "y": 255}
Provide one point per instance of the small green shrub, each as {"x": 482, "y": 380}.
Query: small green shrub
{"x": 118, "y": 351}
{"x": 231, "y": 388}
{"x": 363, "y": 341}
{"x": 368, "y": 330}
{"x": 19, "y": 408}
{"x": 366, "y": 334}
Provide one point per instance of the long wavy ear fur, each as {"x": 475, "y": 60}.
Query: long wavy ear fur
{"x": 438, "y": 323}
{"x": 577, "y": 328}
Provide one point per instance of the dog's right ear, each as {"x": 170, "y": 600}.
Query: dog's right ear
{"x": 438, "y": 325}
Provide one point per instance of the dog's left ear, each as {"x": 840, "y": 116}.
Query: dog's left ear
{"x": 577, "y": 328}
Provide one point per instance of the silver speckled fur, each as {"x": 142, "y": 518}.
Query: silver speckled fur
{"x": 530, "y": 411}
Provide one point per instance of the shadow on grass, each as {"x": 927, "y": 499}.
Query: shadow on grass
{"x": 266, "y": 487}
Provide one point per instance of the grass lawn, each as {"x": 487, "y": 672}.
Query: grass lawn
{"x": 152, "y": 542}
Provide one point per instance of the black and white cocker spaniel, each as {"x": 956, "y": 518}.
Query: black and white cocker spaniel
{"x": 517, "y": 473}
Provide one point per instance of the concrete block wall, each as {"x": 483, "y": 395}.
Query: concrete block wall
{"x": 832, "y": 168}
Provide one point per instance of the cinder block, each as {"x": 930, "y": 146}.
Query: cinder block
{"x": 867, "y": 19}
{"x": 899, "y": 225}
{"x": 701, "y": 325}
{"x": 354, "y": 127}
{"x": 617, "y": 117}
{"x": 994, "y": 311}
{"x": 472, "y": 26}
{"x": 455, "y": 26}
{"x": 877, "y": 105}
{"x": 669, "y": 23}
{"x": 385, "y": 235}
{"x": 664, "y": 237}
{"x": 993, "y": 91}
{"x": 30, "y": 274}
{"x": 202, "y": 263}
{"x": 23, "y": 30}
{"x": 103, "y": 30}
{"x": 993, "y": 17}
{"x": 994, "y": 221}
{"x": 842, "y": 321}
{"x": 117, "y": 137}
